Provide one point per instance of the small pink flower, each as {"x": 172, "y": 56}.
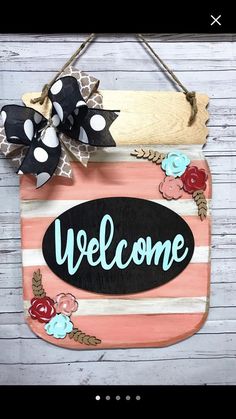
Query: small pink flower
{"x": 65, "y": 304}
{"x": 171, "y": 188}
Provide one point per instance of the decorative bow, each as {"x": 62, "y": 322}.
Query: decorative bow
{"x": 71, "y": 119}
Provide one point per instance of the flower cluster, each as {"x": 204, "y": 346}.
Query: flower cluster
{"x": 181, "y": 176}
{"x": 55, "y": 313}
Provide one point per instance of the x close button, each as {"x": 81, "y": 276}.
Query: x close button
{"x": 216, "y": 20}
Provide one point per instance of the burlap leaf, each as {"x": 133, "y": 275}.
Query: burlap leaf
{"x": 201, "y": 202}
{"x": 154, "y": 156}
{"x": 81, "y": 337}
{"x": 37, "y": 286}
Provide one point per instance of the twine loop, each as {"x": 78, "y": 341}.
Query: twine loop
{"x": 190, "y": 96}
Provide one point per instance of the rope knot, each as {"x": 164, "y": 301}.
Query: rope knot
{"x": 43, "y": 95}
{"x": 191, "y": 98}
{"x": 49, "y": 124}
{"x": 46, "y": 87}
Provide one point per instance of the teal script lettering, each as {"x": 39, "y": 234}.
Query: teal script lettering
{"x": 143, "y": 250}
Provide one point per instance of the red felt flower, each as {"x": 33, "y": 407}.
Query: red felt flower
{"x": 42, "y": 309}
{"x": 194, "y": 179}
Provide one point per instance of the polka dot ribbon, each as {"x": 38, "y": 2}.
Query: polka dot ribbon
{"x": 70, "y": 117}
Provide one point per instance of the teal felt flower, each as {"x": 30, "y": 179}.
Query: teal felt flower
{"x": 175, "y": 163}
{"x": 59, "y": 326}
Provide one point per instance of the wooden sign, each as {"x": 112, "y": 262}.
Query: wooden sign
{"x": 108, "y": 262}
{"x": 118, "y": 245}
{"x": 158, "y": 316}
{"x": 156, "y": 117}
{"x": 148, "y": 117}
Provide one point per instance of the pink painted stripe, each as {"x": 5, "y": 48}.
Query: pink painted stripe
{"x": 129, "y": 330}
{"x": 105, "y": 179}
{"x": 33, "y": 230}
{"x": 192, "y": 282}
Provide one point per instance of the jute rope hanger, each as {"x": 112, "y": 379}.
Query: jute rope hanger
{"x": 190, "y": 96}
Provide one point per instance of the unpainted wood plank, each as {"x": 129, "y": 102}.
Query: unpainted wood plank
{"x": 181, "y": 371}
{"x": 127, "y": 121}
{"x": 151, "y": 117}
{"x": 221, "y": 126}
{"x": 221, "y": 111}
{"x": 156, "y": 118}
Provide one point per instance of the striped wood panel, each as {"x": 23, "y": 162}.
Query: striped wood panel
{"x": 157, "y": 317}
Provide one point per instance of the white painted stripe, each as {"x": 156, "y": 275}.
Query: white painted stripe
{"x": 34, "y": 257}
{"x": 120, "y": 306}
{"x": 53, "y": 208}
{"x": 122, "y": 152}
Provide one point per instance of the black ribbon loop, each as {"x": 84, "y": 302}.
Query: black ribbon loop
{"x": 70, "y": 116}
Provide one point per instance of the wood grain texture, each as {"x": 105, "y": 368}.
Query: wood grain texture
{"x": 209, "y": 356}
{"x": 161, "y": 322}
{"x": 156, "y": 117}
{"x": 117, "y": 56}
{"x": 147, "y": 117}
{"x": 15, "y": 83}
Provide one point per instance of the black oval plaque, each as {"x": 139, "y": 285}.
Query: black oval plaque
{"x": 118, "y": 245}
